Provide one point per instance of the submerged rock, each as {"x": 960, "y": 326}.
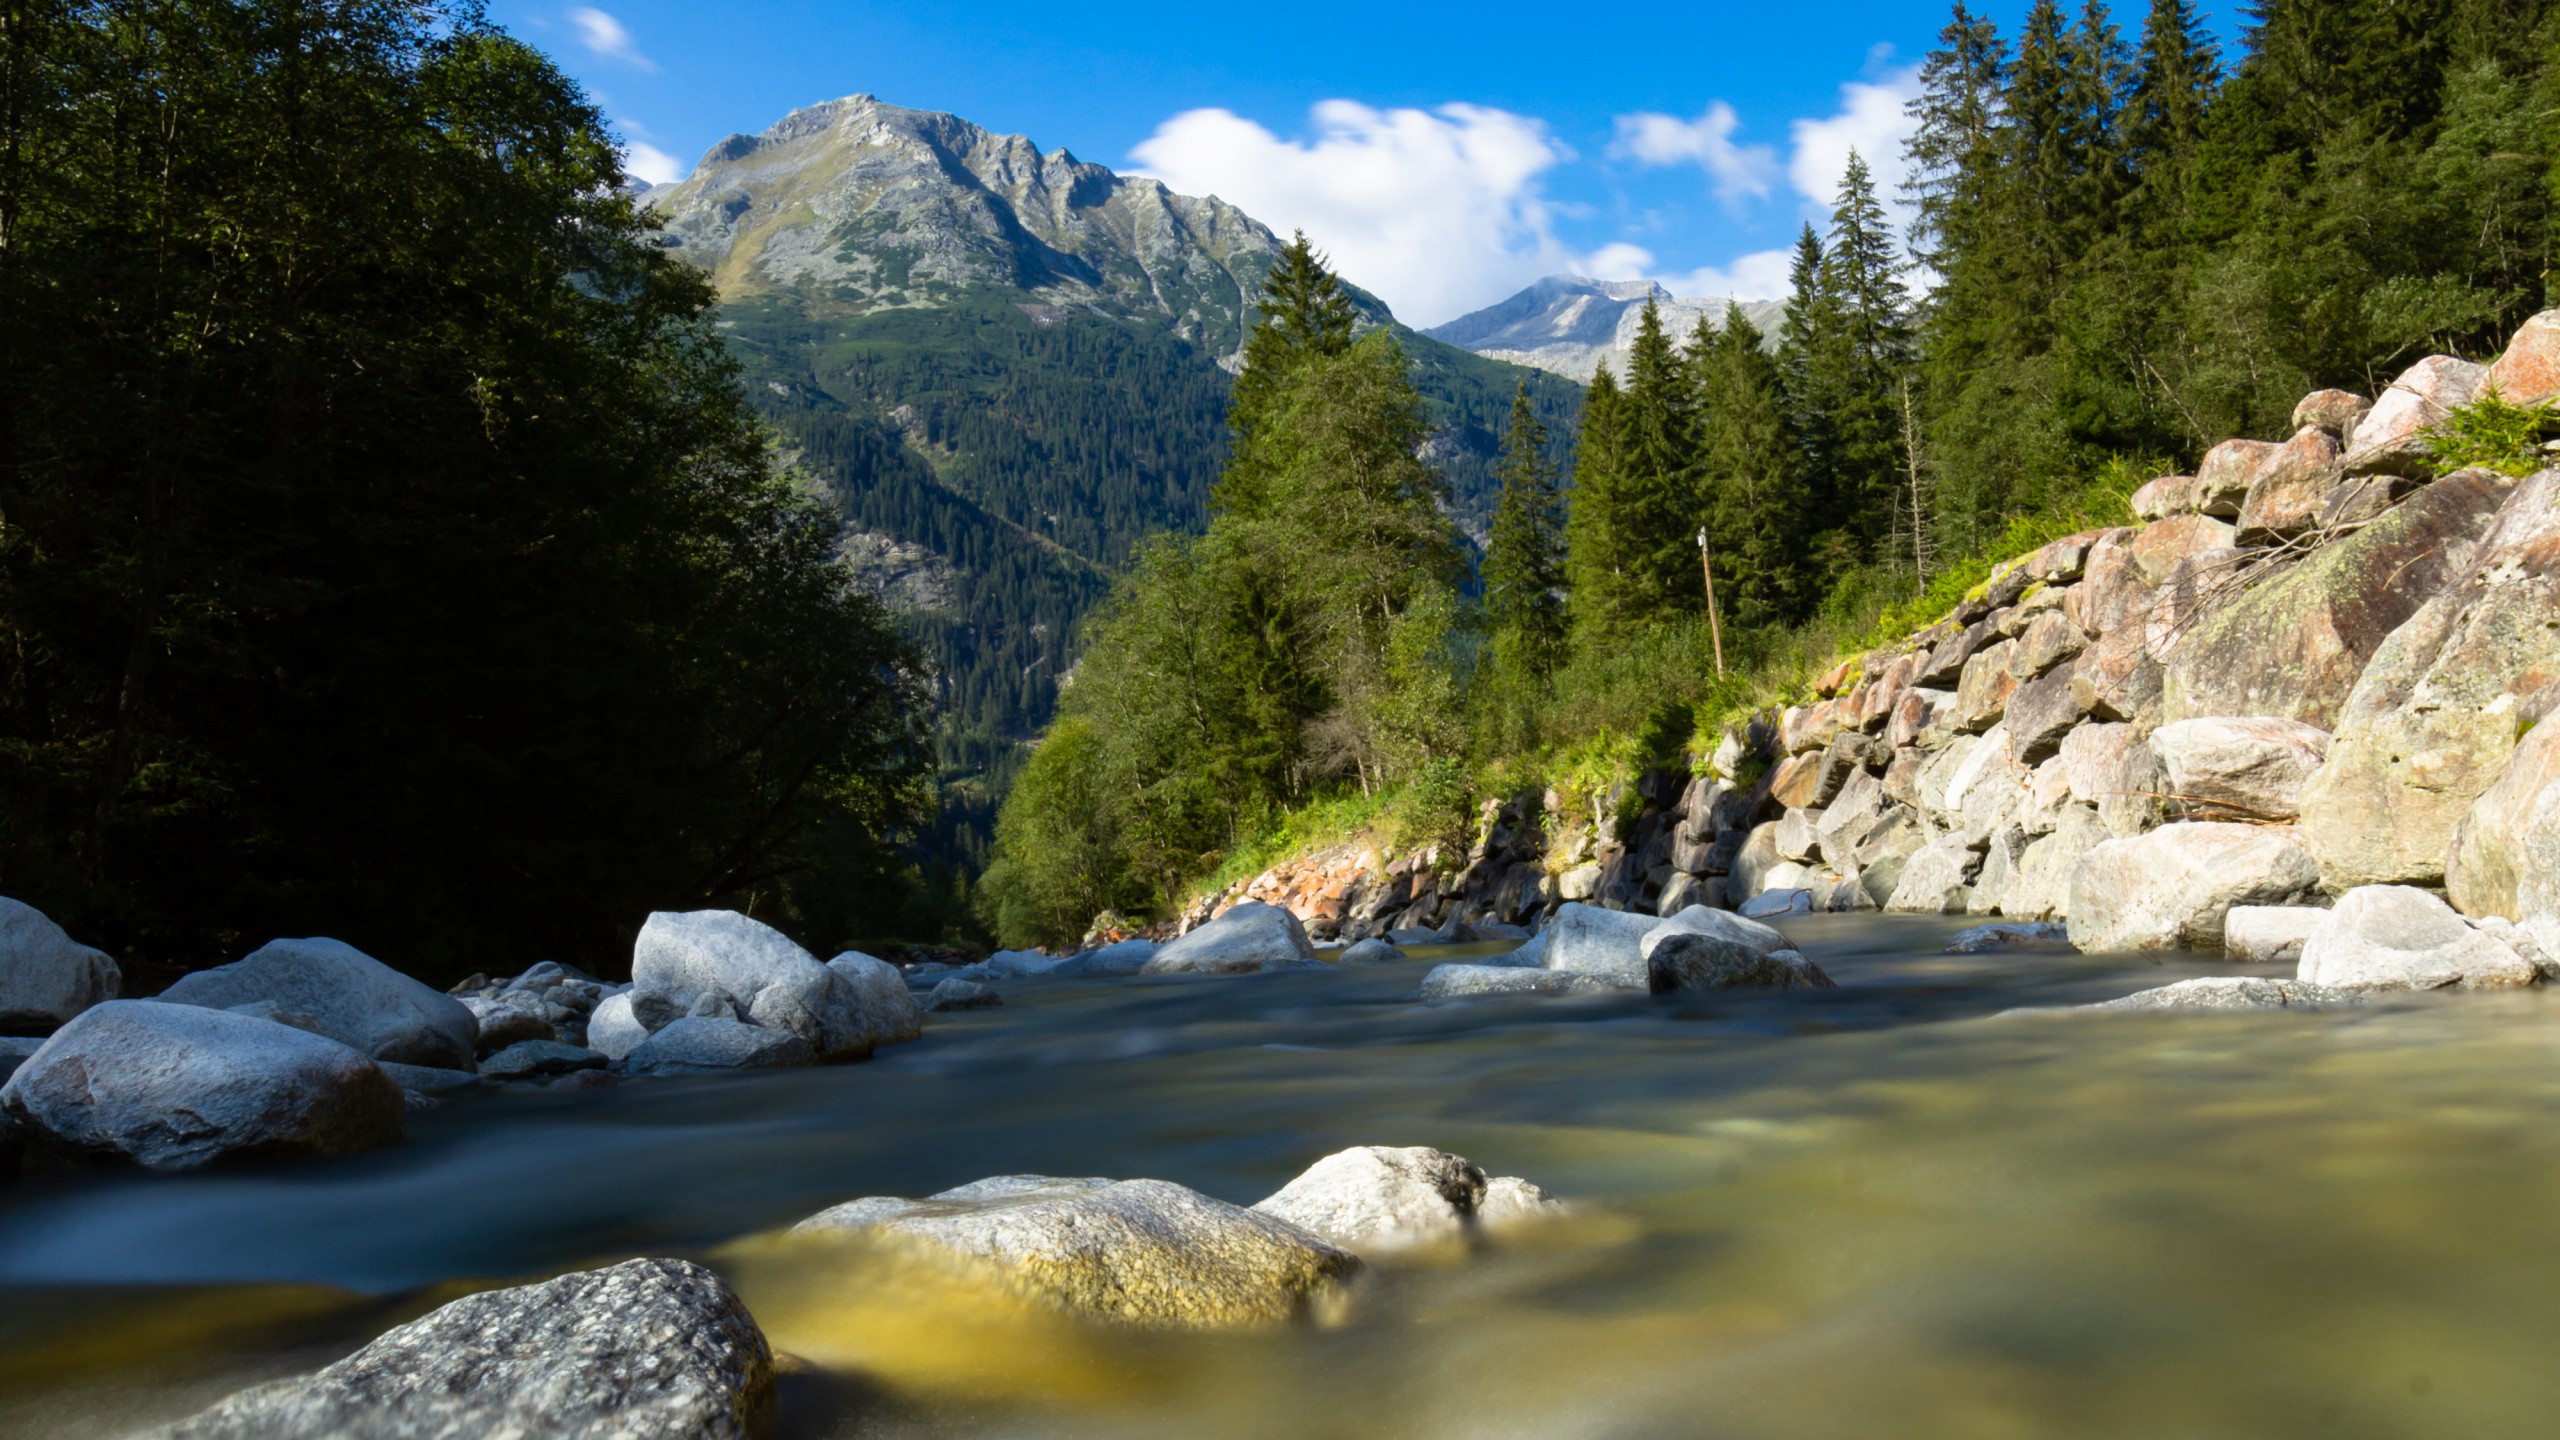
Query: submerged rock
{"x": 2394, "y": 937}
{"x": 1982, "y": 939}
{"x": 46, "y": 977}
{"x": 172, "y": 1086}
{"x": 1693, "y": 961}
{"x": 1369, "y": 952}
{"x": 1145, "y": 1251}
{"x": 2230, "y": 992}
{"x": 645, "y": 1350}
{"x": 683, "y": 959}
{"x": 958, "y": 994}
{"x": 1250, "y": 937}
{"x": 359, "y": 1001}
{"x": 1374, "y": 1199}
{"x": 1461, "y": 982}
{"x": 702, "y": 1045}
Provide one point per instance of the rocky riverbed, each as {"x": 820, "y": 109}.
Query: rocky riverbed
{"x": 1886, "y": 1205}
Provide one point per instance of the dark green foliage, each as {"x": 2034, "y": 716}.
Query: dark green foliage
{"x": 385, "y": 551}
{"x": 1749, "y": 479}
{"x": 1524, "y": 557}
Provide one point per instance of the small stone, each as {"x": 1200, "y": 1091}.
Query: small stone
{"x": 1787, "y": 900}
{"x": 1982, "y": 939}
{"x": 1369, "y": 952}
{"x": 528, "y": 1059}
{"x": 695, "y": 1046}
{"x": 962, "y": 995}
{"x": 613, "y": 1031}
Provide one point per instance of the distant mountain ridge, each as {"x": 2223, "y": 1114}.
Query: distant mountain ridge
{"x": 1569, "y": 324}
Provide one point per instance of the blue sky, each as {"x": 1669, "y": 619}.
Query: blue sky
{"x": 1444, "y": 156}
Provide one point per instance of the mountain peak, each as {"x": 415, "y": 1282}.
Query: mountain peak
{"x": 1572, "y": 324}
{"x": 878, "y": 206}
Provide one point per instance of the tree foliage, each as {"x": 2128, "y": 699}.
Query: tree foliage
{"x": 386, "y": 549}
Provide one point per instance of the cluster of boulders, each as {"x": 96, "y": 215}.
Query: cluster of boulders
{"x": 664, "y": 1350}
{"x": 312, "y": 1047}
{"x": 1588, "y": 949}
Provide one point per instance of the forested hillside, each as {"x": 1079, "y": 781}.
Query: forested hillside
{"x": 1021, "y": 363}
{"x": 2127, "y": 250}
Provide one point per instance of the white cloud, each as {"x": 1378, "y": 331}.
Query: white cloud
{"x": 1760, "y": 275}
{"x": 605, "y": 36}
{"x": 647, "y": 162}
{"x": 1738, "y": 170}
{"x": 1871, "y": 120}
{"x": 1618, "y": 261}
{"x": 1437, "y": 212}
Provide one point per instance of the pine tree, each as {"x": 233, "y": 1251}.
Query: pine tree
{"x": 1305, "y": 316}
{"x": 1657, "y": 506}
{"x": 1858, "y": 366}
{"x": 2175, "y": 77}
{"x": 1950, "y": 151}
{"x": 1810, "y": 319}
{"x": 1598, "y": 568}
{"x": 1756, "y": 511}
{"x": 1524, "y": 555}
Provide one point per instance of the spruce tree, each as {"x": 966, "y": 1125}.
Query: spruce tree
{"x": 1524, "y": 554}
{"x": 1950, "y": 150}
{"x": 1305, "y": 316}
{"x": 1858, "y": 365}
{"x": 1657, "y": 507}
{"x": 1810, "y": 319}
{"x": 1597, "y": 564}
{"x": 1756, "y": 510}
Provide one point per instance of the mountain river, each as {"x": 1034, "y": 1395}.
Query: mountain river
{"x": 1875, "y": 1212}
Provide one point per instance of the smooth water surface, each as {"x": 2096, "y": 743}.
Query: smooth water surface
{"x": 1864, "y": 1213}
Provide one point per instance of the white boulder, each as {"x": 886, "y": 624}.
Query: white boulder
{"x": 1702, "y": 920}
{"x": 2239, "y": 768}
{"x": 46, "y": 977}
{"x": 1588, "y": 940}
{"x": 172, "y": 1086}
{"x": 1375, "y": 1198}
{"x": 2397, "y": 937}
{"x": 359, "y": 1001}
{"x": 613, "y": 1031}
{"x": 887, "y": 1006}
{"x": 2170, "y": 888}
{"x": 683, "y": 958}
{"x": 1250, "y": 937}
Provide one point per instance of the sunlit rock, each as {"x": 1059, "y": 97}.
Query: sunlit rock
{"x": 682, "y": 957}
{"x": 1463, "y": 982}
{"x": 2238, "y": 767}
{"x": 613, "y": 1031}
{"x": 2395, "y": 937}
{"x": 1252, "y": 936}
{"x": 2170, "y": 889}
{"x": 2270, "y": 934}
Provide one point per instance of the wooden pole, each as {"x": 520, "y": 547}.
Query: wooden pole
{"x": 1715, "y": 626}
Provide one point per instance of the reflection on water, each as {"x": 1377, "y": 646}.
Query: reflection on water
{"x": 1871, "y": 1212}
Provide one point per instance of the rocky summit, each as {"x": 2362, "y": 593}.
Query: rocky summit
{"x": 890, "y": 207}
{"x": 1571, "y": 325}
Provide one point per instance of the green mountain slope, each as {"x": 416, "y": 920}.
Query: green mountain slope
{"x": 1009, "y": 368}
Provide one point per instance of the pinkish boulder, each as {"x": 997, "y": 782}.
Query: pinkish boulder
{"x": 2390, "y": 439}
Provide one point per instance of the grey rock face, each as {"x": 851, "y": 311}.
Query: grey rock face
{"x": 1462, "y": 982}
{"x": 2486, "y": 859}
{"x": 1127, "y": 957}
{"x": 359, "y": 1001}
{"x": 172, "y": 1086}
{"x": 681, "y": 958}
{"x": 529, "y": 1059}
{"x": 2394, "y": 937}
{"x": 46, "y": 977}
{"x": 1369, "y": 952}
{"x": 645, "y": 1350}
{"x": 697, "y": 1045}
{"x": 1376, "y": 1198}
{"x": 613, "y": 1031}
{"x": 1693, "y": 961}
{"x": 1591, "y": 941}
{"x": 503, "y": 1024}
{"x": 2239, "y": 767}
{"x": 1787, "y": 900}
{"x": 2231, "y": 992}
{"x": 2270, "y": 934}
{"x": 2538, "y": 873}
{"x": 1983, "y": 939}
{"x": 958, "y": 994}
{"x": 2170, "y": 889}
{"x": 2042, "y": 889}
{"x": 1938, "y": 879}
{"x": 1250, "y": 937}
{"x": 888, "y": 1007}
{"x": 1144, "y": 1251}
{"x": 1700, "y": 920}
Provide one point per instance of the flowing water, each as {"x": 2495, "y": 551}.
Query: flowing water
{"x": 1876, "y": 1212}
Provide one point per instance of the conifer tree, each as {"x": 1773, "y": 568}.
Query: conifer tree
{"x": 1657, "y": 508}
{"x": 1809, "y": 319}
{"x": 1858, "y": 364}
{"x": 1598, "y": 565}
{"x": 1950, "y": 150}
{"x": 1305, "y": 316}
{"x": 1756, "y": 513}
{"x": 1524, "y": 554}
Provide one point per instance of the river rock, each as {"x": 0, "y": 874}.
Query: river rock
{"x": 427, "y": 1080}
{"x": 1127, "y": 957}
{"x": 2170, "y": 889}
{"x": 2239, "y": 768}
{"x": 46, "y": 977}
{"x": 2295, "y": 646}
{"x": 2486, "y": 855}
{"x": 1464, "y": 982}
{"x": 505, "y": 1022}
{"x": 172, "y": 1086}
{"x": 2529, "y": 370}
{"x": 2270, "y": 934}
{"x": 2092, "y": 756}
{"x": 1369, "y": 952}
{"x": 1984, "y": 939}
{"x": 2390, "y": 439}
{"x": 1250, "y": 937}
{"x": 2435, "y": 717}
{"x": 645, "y": 1350}
{"x": 1724, "y": 924}
{"x": 14, "y": 1050}
{"x": 1144, "y": 1251}
{"x": 2042, "y": 889}
{"x": 958, "y": 994}
{"x": 1693, "y": 960}
{"x": 700, "y": 1045}
{"x": 1374, "y": 1199}
{"x": 2001, "y": 857}
{"x": 530, "y": 1059}
{"x": 359, "y": 1001}
{"x": 2396, "y": 937}
{"x": 613, "y": 1031}
{"x": 681, "y": 957}
{"x": 2333, "y": 411}
{"x": 1607, "y": 943}
{"x": 880, "y": 994}
{"x": 2229, "y": 471}
{"x": 2232, "y": 992}
{"x": 2286, "y": 499}
{"x": 1937, "y": 880}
